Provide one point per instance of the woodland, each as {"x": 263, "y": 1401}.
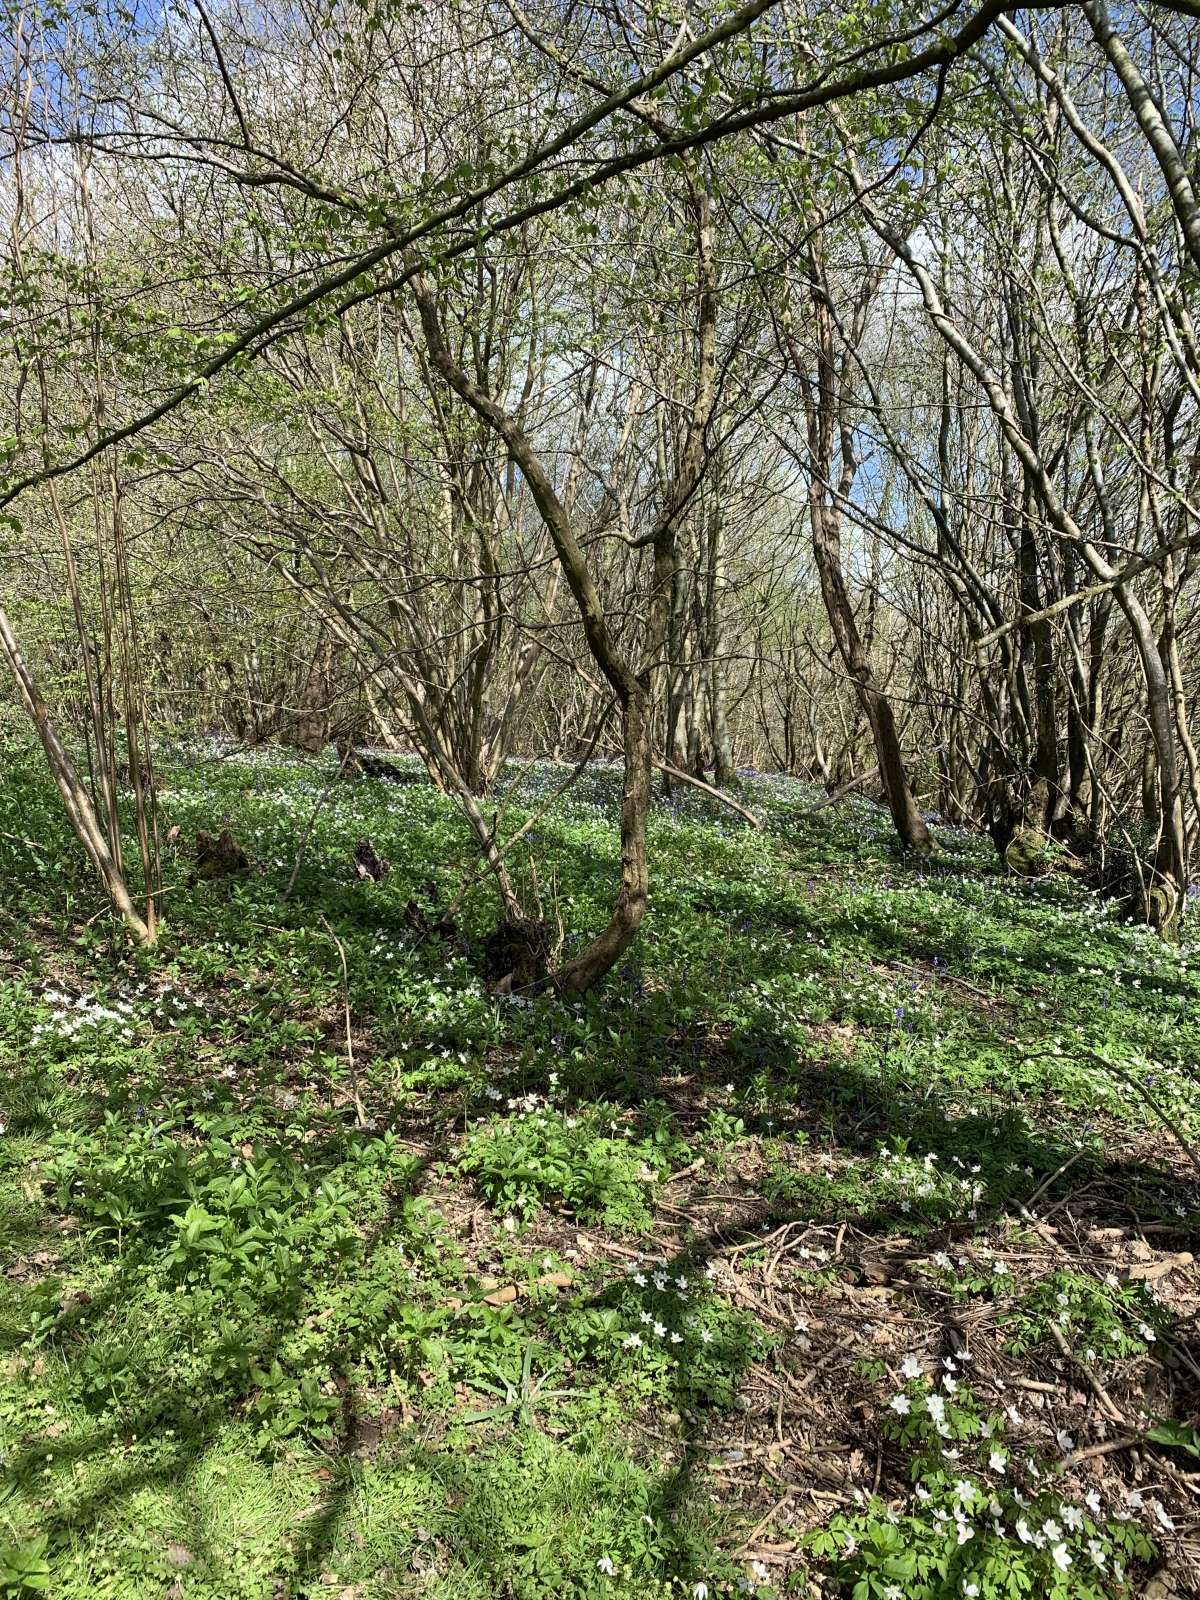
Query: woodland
{"x": 599, "y": 799}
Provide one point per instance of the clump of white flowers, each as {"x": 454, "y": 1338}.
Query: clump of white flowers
{"x": 976, "y": 1512}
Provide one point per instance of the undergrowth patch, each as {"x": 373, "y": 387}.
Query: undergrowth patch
{"x": 841, "y": 1239}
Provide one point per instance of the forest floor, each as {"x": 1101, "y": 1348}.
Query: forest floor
{"x": 839, "y": 1244}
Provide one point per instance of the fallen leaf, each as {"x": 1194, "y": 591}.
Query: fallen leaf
{"x": 554, "y": 1280}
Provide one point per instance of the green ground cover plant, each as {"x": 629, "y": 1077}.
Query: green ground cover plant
{"x": 852, "y": 1212}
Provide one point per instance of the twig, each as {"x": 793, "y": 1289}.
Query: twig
{"x": 1093, "y": 1382}
{"x": 1185, "y": 1144}
{"x": 685, "y": 1171}
{"x": 840, "y": 792}
{"x": 748, "y": 1541}
{"x": 1107, "y": 1448}
{"x": 350, "y": 1062}
{"x": 1057, "y": 1173}
{"x": 312, "y": 822}
{"x": 749, "y": 1244}
{"x": 708, "y": 788}
{"x": 834, "y": 1350}
{"x": 1126, "y": 1076}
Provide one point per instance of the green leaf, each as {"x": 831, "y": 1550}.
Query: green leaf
{"x": 1175, "y": 1435}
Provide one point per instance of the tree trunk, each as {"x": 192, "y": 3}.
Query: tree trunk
{"x": 312, "y": 724}
{"x": 829, "y": 432}
{"x": 74, "y": 794}
{"x": 723, "y": 768}
{"x": 910, "y": 825}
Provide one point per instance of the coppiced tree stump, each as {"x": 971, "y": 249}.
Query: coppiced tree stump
{"x": 220, "y": 857}
{"x": 369, "y": 865}
{"x": 1028, "y": 853}
{"x": 517, "y": 954}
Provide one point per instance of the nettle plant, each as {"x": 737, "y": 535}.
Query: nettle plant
{"x": 982, "y": 1523}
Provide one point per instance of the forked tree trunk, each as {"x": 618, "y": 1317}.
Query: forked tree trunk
{"x": 75, "y": 796}
{"x": 632, "y": 693}
{"x": 631, "y": 686}
{"x": 830, "y": 436}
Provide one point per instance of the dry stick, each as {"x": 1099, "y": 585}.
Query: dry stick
{"x": 1184, "y": 1143}
{"x": 817, "y": 1366}
{"x": 699, "y": 783}
{"x": 842, "y": 790}
{"x": 312, "y": 822}
{"x": 350, "y": 1062}
{"x": 748, "y": 1542}
{"x": 1097, "y": 1388}
{"x": 685, "y": 1171}
{"x": 1093, "y": 1382}
{"x": 1107, "y": 1448}
{"x": 1057, "y": 1173}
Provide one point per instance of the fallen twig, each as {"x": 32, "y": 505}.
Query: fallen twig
{"x": 312, "y": 822}
{"x": 748, "y": 1541}
{"x": 351, "y": 1064}
{"x": 1093, "y": 1382}
{"x": 708, "y": 788}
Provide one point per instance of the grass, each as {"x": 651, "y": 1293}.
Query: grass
{"x": 606, "y": 1298}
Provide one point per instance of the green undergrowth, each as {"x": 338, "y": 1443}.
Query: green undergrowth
{"x": 467, "y": 1344}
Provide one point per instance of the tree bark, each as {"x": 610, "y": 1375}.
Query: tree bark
{"x": 72, "y": 789}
